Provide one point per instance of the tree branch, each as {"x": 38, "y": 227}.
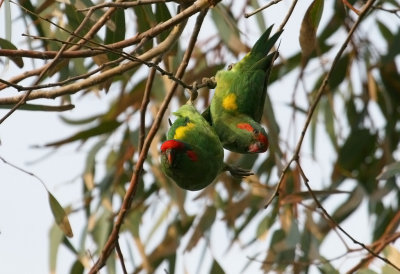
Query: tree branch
{"x": 318, "y": 96}
{"x": 130, "y": 193}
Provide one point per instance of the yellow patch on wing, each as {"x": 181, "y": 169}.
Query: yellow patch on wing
{"x": 229, "y": 102}
{"x": 180, "y": 132}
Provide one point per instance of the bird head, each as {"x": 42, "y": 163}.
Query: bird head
{"x": 173, "y": 149}
{"x": 256, "y": 135}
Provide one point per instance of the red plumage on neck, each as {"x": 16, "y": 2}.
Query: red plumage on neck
{"x": 245, "y": 126}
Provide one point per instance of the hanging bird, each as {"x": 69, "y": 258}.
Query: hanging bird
{"x": 193, "y": 155}
{"x": 237, "y": 105}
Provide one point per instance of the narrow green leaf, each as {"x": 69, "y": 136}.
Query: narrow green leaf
{"x": 204, "y": 224}
{"x": 105, "y": 127}
{"x": 366, "y": 271}
{"x": 5, "y": 44}
{"x": 329, "y": 118}
{"x": 359, "y": 145}
{"x": 79, "y": 121}
{"x": 60, "y": 216}
{"x": 345, "y": 209}
{"x": 385, "y": 31}
{"x": 117, "y": 33}
{"x": 77, "y": 268}
{"x": 309, "y": 25}
{"x": 216, "y": 268}
{"x": 327, "y": 267}
{"x": 228, "y": 30}
{"x": 56, "y": 236}
{"x": 102, "y": 229}
{"x": 259, "y": 16}
{"x": 389, "y": 171}
{"x": 36, "y": 107}
{"x": 162, "y": 14}
{"x": 7, "y": 19}
{"x": 145, "y": 20}
{"x": 339, "y": 72}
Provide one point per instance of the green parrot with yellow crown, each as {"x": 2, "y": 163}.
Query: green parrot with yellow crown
{"x": 237, "y": 105}
{"x": 193, "y": 155}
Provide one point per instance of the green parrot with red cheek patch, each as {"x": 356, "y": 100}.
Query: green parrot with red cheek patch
{"x": 193, "y": 155}
{"x": 237, "y": 105}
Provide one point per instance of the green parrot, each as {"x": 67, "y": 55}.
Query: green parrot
{"x": 193, "y": 155}
{"x": 237, "y": 105}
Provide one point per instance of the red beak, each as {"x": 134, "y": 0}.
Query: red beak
{"x": 260, "y": 146}
{"x": 170, "y": 156}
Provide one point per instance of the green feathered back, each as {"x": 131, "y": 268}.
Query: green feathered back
{"x": 240, "y": 93}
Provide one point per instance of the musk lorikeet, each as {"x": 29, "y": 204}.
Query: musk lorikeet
{"x": 237, "y": 105}
{"x": 193, "y": 155}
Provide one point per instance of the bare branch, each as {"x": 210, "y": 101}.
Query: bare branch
{"x": 145, "y": 102}
{"x": 373, "y": 253}
{"x": 289, "y": 13}
{"x": 110, "y": 244}
{"x": 121, "y": 258}
{"x": 124, "y": 5}
{"x": 318, "y": 96}
{"x": 272, "y": 2}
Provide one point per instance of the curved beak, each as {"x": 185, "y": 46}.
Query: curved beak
{"x": 257, "y": 147}
{"x": 170, "y": 156}
{"x": 261, "y": 145}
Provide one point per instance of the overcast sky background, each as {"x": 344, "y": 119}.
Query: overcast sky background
{"x": 25, "y": 217}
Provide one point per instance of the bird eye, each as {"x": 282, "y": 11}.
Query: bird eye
{"x": 230, "y": 66}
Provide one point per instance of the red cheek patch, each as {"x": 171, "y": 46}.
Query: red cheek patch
{"x": 192, "y": 155}
{"x": 262, "y": 139}
{"x": 245, "y": 126}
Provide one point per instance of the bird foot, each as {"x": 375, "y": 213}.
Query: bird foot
{"x": 238, "y": 172}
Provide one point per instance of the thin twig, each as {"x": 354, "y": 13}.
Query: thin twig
{"x": 124, "y": 5}
{"x": 145, "y": 102}
{"x": 317, "y": 99}
{"x": 272, "y": 2}
{"x": 386, "y": 238}
{"x": 394, "y": 11}
{"x": 121, "y": 258}
{"x": 75, "y": 87}
{"x": 150, "y": 33}
{"x": 288, "y": 15}
{"x": 24, "y": 171}
{"x": 130, "y": 193}
{"x": 373, "y": 253}
{"x": 46, "y": 68}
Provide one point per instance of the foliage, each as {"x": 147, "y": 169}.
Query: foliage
{"x": 96, "y": 47}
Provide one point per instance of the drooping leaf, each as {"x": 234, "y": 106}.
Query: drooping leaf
{"x": 204, "y": 224}
{"x": 309, "y": 25}
{"x": 104, "y": 127}
{"x": 102, "y": 228}
{"x": 345, "y": 209}
{"x": 5, "y": 44}
{"x": 359, "y": 145}
{"x": 389, "y": 171}
{"x": 56, "y": 236}
{"x": 77, "y": 268}
{"x": 216, "y": 268}
{"x": 162, "y": 14}
{"x": 36, "y": 107}
{"x": 60, "y": 216}
{"x": 227, "y": 29}
{"x": 117, "y": 33}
